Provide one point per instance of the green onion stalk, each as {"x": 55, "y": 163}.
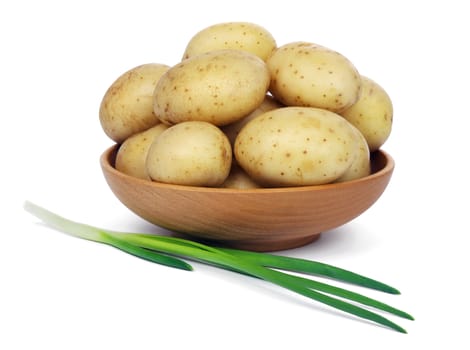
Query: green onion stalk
{"x": 170, "y": 251}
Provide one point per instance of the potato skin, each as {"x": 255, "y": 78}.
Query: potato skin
{"x": 239, "y": 179}
{"x": 296, "y": 146}
{"x": 372, "y": 114}
{"x": 192, "y": 153}
{"x": 127, "y": 106}
{"x": 244, "y": 36}
{"x": 232, "y": 130}
{"x": 132, "y": 154}
{"x": 219, "y": 87}
{"x": 360, "y": 166}
{"x": 306, "y": 74}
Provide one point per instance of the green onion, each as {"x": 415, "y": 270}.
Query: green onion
{"x": 167, "y": 251}
{"x": 313, "y": 267}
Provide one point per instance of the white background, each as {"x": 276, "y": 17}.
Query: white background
{"x": 58, "y": 292}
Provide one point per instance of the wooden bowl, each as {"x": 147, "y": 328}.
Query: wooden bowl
{"x": 256, "y": 219}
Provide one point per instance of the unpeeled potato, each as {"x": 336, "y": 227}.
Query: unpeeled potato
{"x": 278, "y": 107}
{"x": 219, "y": 87}
{"x": 372, "y": 114}
{"x": 239, "y": 179}
{"x": 232, "y": 130}
{"x": 310, "y": 75}
{"x": 192, "y": 153}
{"x": 132, "y": 154}
{"x": 360, "y": 166}
{"x": 296, "y": 146}
{"x": 127, "y": 106}
{"x": 243, "y": 36}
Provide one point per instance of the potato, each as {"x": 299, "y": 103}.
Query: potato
{"x": 295, "y": 146}
{"x": 132, "y": 154}
{"x": 372, "y": 114}
{"x": 306, "y": 74}
{"x": 127, "y": 106}
{"x": 190, "y": 153}
{"x": 360, "y": 167}
{"x": 219, "y": 87}
{"x": 233, "y": 129}
{"x": 244, "y": 36}
{"x": 239, "y": 179}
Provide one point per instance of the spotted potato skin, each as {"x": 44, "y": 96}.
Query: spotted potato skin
{"x": 233, "y": 129}
{"x": 243, "y": 36}
{"x": 219, "y": 87}
{"x": 192, "y": 153}
{"x": 306, "y": 74}
{"x": 360, "y": 166}
{"x": 372, "y": 114}
{"x": 296, "y": 146}
{"x": 132, "y": 154}
{"x": 127, "y": 106}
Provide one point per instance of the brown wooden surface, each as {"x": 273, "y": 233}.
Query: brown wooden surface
{"x": 256, "y": 219}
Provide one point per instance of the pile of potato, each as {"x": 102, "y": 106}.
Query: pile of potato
{"x": 239, "y": 111}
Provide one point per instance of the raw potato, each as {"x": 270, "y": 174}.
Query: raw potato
{"x": 372, "y": 114}
{"x": 132, "y": 154}
{"x": 219, "y": 87}
{"x": 306, "y": 74}
{"x": 360, "y": 167}
{"x": 244, "y": 36}
{"x": 239, "y": 112}
{"x": 295, "y": 146}
{"x": 191, "y": 153}
{"x": 127, "y": 106}
{"x": 233, "y": 129}
{"x": 239, "y": 179}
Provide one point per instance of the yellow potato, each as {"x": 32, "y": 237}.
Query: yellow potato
{"x": 127, "y": 106}
{"x": 360, "y": 167}
{"x": 132, "y": 153}
{"x": 219, "y": 87}
{"x": 295, "y": 146}
{"x": 233, "y": 129}
{"x": 244, "y": 36}
{"x": 306, "y": 74}
{"x": 190, "y": 153}
{"x": 239, "y": 179}
{"x": 372, "y": 114}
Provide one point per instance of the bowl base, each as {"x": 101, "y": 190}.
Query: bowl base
{"x": 260, "y": 219}
{"x": 264, "y": 245}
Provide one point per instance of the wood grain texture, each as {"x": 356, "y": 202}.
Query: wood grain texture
{"x": 255, "y": 219}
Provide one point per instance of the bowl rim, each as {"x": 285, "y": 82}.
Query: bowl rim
{"x": 110, "y": 152}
